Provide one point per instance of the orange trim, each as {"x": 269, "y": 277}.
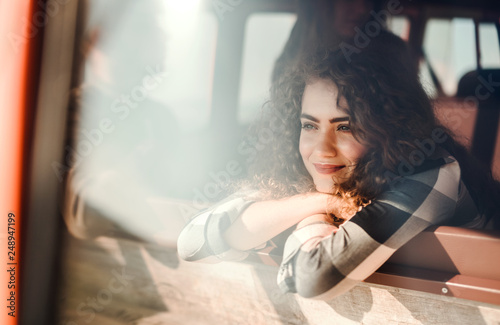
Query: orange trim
{"x": 16, "y": 86}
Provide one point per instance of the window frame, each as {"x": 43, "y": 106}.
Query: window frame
{"x": 228, "y": 68}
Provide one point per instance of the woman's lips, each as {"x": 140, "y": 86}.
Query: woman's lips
{"x": 327, "y": 169}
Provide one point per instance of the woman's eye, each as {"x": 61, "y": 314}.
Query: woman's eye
{"x": 308, "y": 126}
{"x": 344, "y": 128}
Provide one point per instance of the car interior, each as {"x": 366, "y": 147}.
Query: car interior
{"x": 142, "y": 114}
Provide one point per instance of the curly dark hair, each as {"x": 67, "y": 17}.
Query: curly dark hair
{"x": 390, "y": 113}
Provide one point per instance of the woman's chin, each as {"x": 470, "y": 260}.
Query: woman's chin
{"x": 322, "y": 188}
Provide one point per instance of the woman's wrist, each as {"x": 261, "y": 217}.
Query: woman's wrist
{"x": 315, "y": 202}
{"x": 315, "y": 219}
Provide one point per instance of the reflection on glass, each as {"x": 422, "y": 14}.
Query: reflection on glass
{"x": 146, "y": 75}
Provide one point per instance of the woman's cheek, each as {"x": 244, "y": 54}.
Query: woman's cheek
{"x": 351, "y": 149}
{"x": 305, "y": 146}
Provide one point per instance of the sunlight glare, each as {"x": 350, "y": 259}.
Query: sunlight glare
{"x": 182, "y": 5}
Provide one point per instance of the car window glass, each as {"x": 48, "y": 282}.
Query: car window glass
{"x": 450, "y": 47}
{"x": 490, "y": 49}
{"x": 141, "y": 109}
{"x": 399, "y": 25}
{"x": 265, "y": 37}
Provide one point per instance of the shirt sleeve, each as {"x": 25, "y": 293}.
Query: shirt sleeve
{"x": 202, "y": 240}
{"x": 320, "y": 263}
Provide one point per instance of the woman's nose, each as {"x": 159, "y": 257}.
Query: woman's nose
{"x": 326, "y": 145}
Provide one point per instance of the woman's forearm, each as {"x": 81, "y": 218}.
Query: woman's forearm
{"x": 264, "y": 220}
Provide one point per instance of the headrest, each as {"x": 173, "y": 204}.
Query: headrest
{"x": 479, "y": 83}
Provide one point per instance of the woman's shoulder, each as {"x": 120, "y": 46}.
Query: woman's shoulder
{"x": 427, "y": 166}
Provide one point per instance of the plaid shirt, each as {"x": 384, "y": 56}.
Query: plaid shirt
{"x": 319, "y": 260}
{"x": 201, "y": 239}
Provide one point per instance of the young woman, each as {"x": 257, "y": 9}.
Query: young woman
{"x": 356, "y": 163}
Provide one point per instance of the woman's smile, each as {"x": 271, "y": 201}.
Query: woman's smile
{"x": 327, "y": 169}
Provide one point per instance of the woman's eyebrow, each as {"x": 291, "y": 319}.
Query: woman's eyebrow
{"x": 309, "y": 117}
{"x": 333, "y": 120}
{"x": 339, "y": 119}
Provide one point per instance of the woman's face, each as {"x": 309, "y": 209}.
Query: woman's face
{"x": 327, "y": 146}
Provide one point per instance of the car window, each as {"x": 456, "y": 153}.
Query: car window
{"x": 141, "y": 110}
{"x": 490, "y": 49}
{"x": 449, "y": 45}
{"x": 136, "y": 102}
{"x": 265, "y": 38}
{"x": 399, "y": 25}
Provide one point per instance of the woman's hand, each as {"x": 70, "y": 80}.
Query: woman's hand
{"x": 316, "y": 218}
{"x": 342, "y": 208}
{"x": 332, "y": 209}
